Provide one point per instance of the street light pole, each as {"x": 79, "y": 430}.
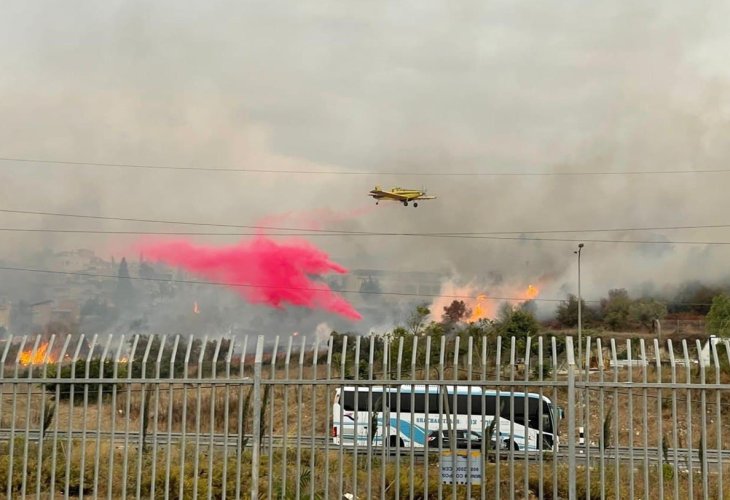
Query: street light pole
{"x": 580, "y": 352}
{"x": 580, "y": 319}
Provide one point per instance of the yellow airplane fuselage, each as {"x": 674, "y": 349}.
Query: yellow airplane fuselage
{"x": 400, "y": 195}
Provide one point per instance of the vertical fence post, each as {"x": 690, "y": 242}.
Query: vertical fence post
{"x": 170, "y": 399}
{"x": 718, "y": 415}
{"x": 571, "y": 419}
{"x": 660, "y": 416}
{"x": 226, "y": 413}
{"x": 14, "y": 406}
{"x": 211, "y": 443}
{"x": 272, "y": 411}
{"x": 29, "y": 396}
{"x": 45, "y": 417}
{"x": 602, "y": 430}
{"x": 256, "y": 418}
{"x": 240, "y": 425}
{"x": 703, "y": 419}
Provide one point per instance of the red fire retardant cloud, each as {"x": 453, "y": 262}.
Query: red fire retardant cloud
{"x": 271, "y": 273}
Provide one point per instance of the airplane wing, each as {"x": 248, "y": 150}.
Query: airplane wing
{"x": 426, "y": 198}
{"x": 398, "y": 196}
{"x": 379, "y": 194}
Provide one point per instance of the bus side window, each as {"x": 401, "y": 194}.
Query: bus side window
{"x": 347, "y": 401}
{"x": 405, "y": 403}
{"x": 546, "y": 424}
{"x": 419, "y": 403}
{"x": 433, "y": 403}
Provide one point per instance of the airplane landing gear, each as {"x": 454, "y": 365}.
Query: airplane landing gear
{"x": 405, "y": 203}
{"x": 415, "y": 204}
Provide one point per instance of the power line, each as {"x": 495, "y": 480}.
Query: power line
{"x": 45, "y": 162}
{"x": 157, "y": 233}
{"x": 249, "y": 285}
{"x": 164, "y": 221}
{"x": 311, "y": 289}
{"x": 307, "y": 231}
{"x": 365, "y": 234}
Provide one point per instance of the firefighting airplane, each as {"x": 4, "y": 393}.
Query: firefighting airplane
{"x": 400, "y": 195}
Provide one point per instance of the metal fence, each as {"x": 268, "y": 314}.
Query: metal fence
{"x": 363, "y": 417}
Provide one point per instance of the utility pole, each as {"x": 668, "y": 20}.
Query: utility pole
{"x": 580, "y": 348}
{"x": 580, "y": 319}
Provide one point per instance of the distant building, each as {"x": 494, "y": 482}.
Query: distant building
{"x": 41, "y": 312}
{"x": 61, "y": 310}
{"x": 407, "y": 282}
{"x": 5, "y": 310}
{"x": 78, "y": 261}
{"x": 68, "y": 309}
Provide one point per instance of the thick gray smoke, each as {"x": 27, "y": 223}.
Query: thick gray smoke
{"x": 476, "y": 87}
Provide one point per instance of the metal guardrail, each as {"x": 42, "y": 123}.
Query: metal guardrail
{"x": 174, "y": 417}
{"x": 686, "y": 456}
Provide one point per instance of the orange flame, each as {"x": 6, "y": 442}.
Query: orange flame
{"x": 480, "y": 310}
{"x": 38, "y": 357}
{"x": 196, "y": 308}
{"x": 482, "y": 307}
{"x": 531, "y": 293}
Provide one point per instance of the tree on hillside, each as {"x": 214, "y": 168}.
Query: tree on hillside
{"x": 616, "y": 309}
{"x": 694, "y": 297}
{"x": 567, "y": 312}
{"x": 645, "y": 311}
{"x": 718, "y": 319}
{"x": 518, "y": 323}
{"x": 124, "y": 293}
{"x": 434, "y": 330}
{"x": 417, "y": 319}
{"x": 455, "y": 312}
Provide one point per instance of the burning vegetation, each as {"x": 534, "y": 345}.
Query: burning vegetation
{"x": 478, "y": 306}
{"x": 48, "y": 350}
{"x": 35, "y": 356}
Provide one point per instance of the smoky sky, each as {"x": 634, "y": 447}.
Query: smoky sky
{"x": 411, "y": 87}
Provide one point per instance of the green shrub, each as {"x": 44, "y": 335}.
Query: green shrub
{"x": 78, "y": 371}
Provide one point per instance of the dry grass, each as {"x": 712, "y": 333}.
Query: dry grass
{"x": 284, "y": 472}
